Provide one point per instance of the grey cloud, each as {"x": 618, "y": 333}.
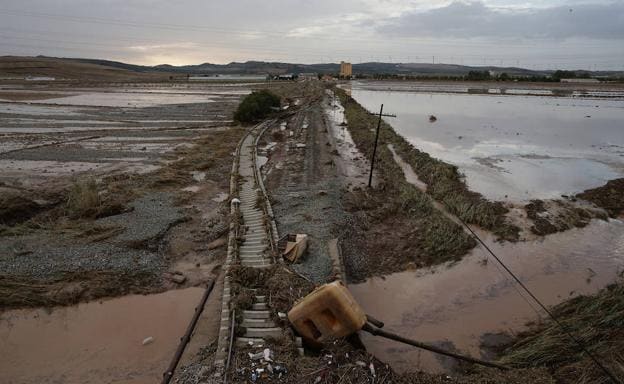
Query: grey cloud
{"x": 475, "y": 19}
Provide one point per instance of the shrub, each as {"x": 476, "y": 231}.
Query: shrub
{"x": 83, "y": 199}
{"x": 256, "y": 105}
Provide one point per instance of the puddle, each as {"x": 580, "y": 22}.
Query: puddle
{"x": 410, "y": 176}
{"x": 459, "y": 305}
{"x": 513, "y": 148}
{"x": 351, "y": 164}
{"x": 95, "y": 342}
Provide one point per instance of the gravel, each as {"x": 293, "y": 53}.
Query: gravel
{"x": 313, "y": 209}
{"x": 47, "y": 262}
{"x": 136, "y": 249}
{"x": 151, "y": 216}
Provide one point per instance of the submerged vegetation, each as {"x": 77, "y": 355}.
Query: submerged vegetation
{"x": 610, "y": 196}
{"x": 444, "y": 182}
{"x": 597, "y": 321}
{"x": 398, "y": 226}
{"x": 256, "y": 106}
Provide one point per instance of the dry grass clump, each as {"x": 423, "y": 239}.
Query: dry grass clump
{"x": 597, "y": 321}
{"x": 83, "y": 199}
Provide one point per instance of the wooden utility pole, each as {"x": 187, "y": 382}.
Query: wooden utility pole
{"x": 370, "y": 176}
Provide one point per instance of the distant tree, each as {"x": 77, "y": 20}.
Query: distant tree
{"x": 478, "y": 75}
{"x": 503, "y": 77}
{"x": 256, "y": 105}
{"x": 560, "y": 74}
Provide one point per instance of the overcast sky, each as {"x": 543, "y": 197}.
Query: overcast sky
{"x": 570, "y": 34}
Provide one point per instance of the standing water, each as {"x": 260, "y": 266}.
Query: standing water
{"x": 512, "y": 148}
{"x": 465, "y": 305}
{"x": 96, "y": 342}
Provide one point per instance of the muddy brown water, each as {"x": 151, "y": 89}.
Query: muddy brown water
{"x": 96, "y": 342}
{"x": 460, "y": 306}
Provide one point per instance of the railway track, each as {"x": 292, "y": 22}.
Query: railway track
{"x": 252, "y": 243}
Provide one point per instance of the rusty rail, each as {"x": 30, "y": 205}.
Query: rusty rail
{"x": 187, "y": 335}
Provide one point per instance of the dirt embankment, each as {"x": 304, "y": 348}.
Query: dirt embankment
{"x": 610, "y": 197}
{"x": 123, "y": 233}
{"x": 62, "y": 69}
{"x": 551, "y": 216}
{"x": 444, "y": 182}
{"x": 394, "y": 225}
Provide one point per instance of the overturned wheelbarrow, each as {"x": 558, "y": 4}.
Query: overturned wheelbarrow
{"x": 292, "y": 246}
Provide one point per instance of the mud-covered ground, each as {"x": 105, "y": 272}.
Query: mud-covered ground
{"x": 315, "y": 188}
{"x": 108, "y": 190}
{"x": 111, "y": 189}
{"x": 304, "y": 187}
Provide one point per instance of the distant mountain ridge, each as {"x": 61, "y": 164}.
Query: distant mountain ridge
{"x": 274, "y": 68}
{"x": 263, "y": 67}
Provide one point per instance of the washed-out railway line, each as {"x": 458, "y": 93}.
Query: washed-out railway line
{"x": 252, "y": 243}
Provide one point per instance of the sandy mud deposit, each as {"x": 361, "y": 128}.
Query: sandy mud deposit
{"x": 106, "y": 191}
{"x": 304, "y": 187}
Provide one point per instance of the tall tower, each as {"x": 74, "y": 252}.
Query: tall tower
{"x": 346, "y": 69}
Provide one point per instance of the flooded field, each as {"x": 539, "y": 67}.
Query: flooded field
{"x": 468, "y": 306}
{"x": 511, "y": 147}
{"x": 52, "y": 138}
{"x": 97, "y": 342}
{"x": 46, "y": 131}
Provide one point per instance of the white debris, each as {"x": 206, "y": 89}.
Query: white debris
{"x": 148, "y": 340}
{"x": 372, "y": 369}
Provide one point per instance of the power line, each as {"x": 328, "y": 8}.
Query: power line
{"x": 568, "y": 333}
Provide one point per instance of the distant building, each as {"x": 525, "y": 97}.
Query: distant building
{"x": 327, "y": 78}
{"x": 308, "y": 76}
{"x": 346, "y": 69}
